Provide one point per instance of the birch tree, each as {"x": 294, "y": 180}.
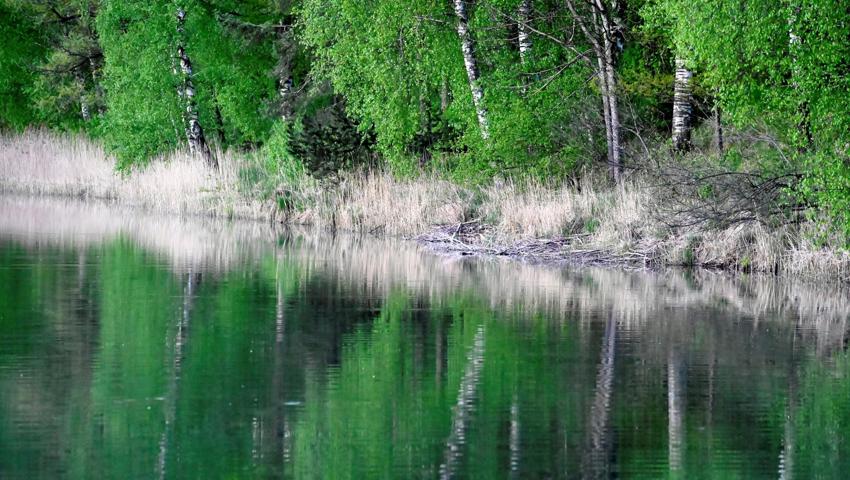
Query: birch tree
{"x": 602, "y": 27}
{"x": 186, "y": 91}
{"x": 467, "y": 46}
{"x": 682, "y": 107}
{"x": 524, "y": 28}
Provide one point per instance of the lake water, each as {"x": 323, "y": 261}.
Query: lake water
{"x": 136, "y": 346}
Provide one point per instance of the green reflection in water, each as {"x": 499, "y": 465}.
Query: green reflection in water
{"x": 116, "y": 362}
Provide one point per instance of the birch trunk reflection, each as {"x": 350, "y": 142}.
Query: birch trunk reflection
{"x": 595, "y": 462}
{"x": 464, "y": 407}
{"x": 675, "y": 411}
{"x": 180, "y": 339}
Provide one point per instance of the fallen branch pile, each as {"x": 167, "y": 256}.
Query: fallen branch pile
{"x": 473, "y": 238}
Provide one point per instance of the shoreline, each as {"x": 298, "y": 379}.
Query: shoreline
{"x": 591, "y": 223}
{"x": 471, "y": 239}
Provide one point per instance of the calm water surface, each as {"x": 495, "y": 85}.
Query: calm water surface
{"x": 134, "y": 346}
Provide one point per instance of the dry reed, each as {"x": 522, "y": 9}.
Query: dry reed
{"x": 589, "y": 222}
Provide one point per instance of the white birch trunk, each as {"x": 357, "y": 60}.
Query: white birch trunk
{"x": 467, "y": 46}
{"x": 524, "y": 18}
{"x": 615, "y": 149}
{"x": 605, "y": 42}
{"x": 606, "y": 109}
{"x": 84, "y": 109}
{"x": 613, "y": 105}
{"x": 284, "y": 69}
{"x": 194, "y": 131}
{"x": 607, "y": 62}
{"x": 682, "y": 107}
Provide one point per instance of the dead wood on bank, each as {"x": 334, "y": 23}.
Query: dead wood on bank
{"x": 475, "y": 239}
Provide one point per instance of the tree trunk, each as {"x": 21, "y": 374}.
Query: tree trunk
{"x": 84, "y": 108}
{"x": 524, "y": 17}
{"x": 467, "y": 46}
{"x": 286, "y": 53}
{"x": 615, "y": 149}
{"x": 718, "y": 130}
{"x": 606, "y": 111}
{"x": 682, "y": 108}
{"x": 194, "y": 131}
{"x": 85, "y": 111}
{"x": 613, "y": 105}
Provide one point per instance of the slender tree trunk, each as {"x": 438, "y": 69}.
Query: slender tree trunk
{"x": 613, "y": 105}
{"x": 524, "y": 39}
{"x": 84, "y": 108}
{"x": 682, "y": 108}
{"x": 718, "y": 130}
{"x": 600, "y": 28}
{"x": 616, "y": 150}
{"x": 524, "y": 17}
{"x": 606, "y": 111}
{"x": 467, "y": 46}
{"x": 194, "y": 131}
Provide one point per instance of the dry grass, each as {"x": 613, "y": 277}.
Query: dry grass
{"x": 46, "y": 163}
{"x": 587, "y": 221}
{"x": 377, "y": 202}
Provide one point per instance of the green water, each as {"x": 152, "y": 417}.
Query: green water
{"x": 141, "y": 347}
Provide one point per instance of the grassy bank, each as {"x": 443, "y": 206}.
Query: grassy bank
{"x": 587, "y": 222}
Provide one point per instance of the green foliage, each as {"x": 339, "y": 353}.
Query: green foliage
{"x": 400, "y": 68}
{"x": 827, "y": 184}
{"x": 20, "y": 48}
{"x": 144, "y": 115}
{"x": 347, "y": 84}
